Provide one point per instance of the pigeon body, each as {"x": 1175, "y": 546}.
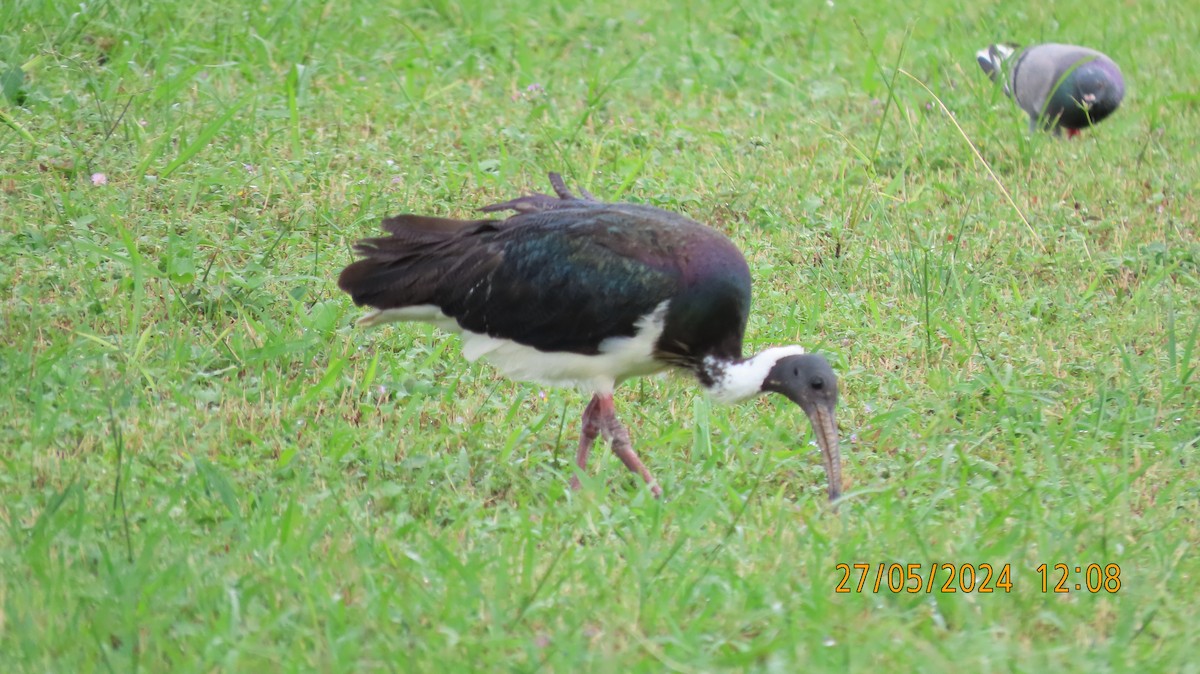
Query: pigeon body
{"x": 1060, "y": 86}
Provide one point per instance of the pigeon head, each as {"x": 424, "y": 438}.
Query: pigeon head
{"x": 1099, "y": 87}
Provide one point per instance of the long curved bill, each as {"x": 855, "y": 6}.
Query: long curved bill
{"x": 825, "y": 427}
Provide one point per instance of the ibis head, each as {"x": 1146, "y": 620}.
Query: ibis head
{"x": 808, "y": 380}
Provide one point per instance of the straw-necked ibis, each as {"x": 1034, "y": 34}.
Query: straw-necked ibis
{"x": 573, "y": 291}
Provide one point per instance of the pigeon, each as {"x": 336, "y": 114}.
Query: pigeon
{"x": 1060, "y": 86}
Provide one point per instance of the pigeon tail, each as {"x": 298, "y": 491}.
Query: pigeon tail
{"x": 992, "y": 60}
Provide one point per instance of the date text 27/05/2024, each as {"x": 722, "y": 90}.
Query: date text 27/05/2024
{"x": 984, "y": 578}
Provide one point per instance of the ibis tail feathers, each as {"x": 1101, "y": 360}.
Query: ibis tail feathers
{"x": 407, "y": 267}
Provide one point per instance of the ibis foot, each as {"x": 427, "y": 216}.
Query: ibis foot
{"x": 600, "y": 418}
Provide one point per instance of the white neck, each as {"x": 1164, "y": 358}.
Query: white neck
{"x": 734, "y": 381}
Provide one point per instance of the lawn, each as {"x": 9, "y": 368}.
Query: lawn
{"x": 204, "y": 466}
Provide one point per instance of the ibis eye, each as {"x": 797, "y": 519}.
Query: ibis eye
{"x": 817, "y": 383}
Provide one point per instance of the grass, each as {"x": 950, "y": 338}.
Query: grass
{"x": 205, "y": 468}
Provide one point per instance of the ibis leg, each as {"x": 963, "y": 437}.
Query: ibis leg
{"x": 615, "y": 431}
{"x": 589, "y": 429}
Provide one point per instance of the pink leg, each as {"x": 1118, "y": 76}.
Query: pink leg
{"x": 589, "y": 429}
{"x": 615, "y": 431}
